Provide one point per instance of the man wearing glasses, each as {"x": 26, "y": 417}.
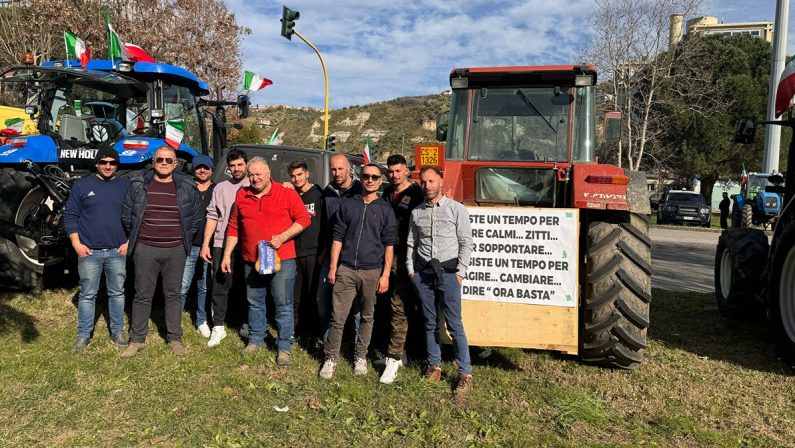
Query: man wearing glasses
{"x": 93, "y": 222}
{"x": 361, "y": 260}
{"x": 161, "y": 212}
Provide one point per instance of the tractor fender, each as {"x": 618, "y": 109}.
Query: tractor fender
{"x": 637, "y": 193}
{"x": 38, "y": 148}
{"x": 590, "y": 194}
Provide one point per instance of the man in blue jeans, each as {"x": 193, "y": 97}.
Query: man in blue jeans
{"x": 439, "y": 247}
{"x": 202, "y": 174}
{"x": 93, "y": 222}
{"x": 266, "y": 211}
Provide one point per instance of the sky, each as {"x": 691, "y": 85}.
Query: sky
{"x": 378, "y": 50}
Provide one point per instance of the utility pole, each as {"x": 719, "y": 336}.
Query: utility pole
{"x": 773, "y": 133}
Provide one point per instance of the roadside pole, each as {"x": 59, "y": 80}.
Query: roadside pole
{"x": 773, "y": 133}
{"x": 325, "y": 76}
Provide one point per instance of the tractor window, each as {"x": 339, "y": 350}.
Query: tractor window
{"x": 519, "y": 186}
{"x": 523, "y": 124}
{"x": 457, "y": 126}
{"x": 584, "y": 111}
{"x": 179, "y": 103}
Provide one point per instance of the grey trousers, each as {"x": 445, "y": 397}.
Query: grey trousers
{"x": 349, "y": 285}
{"x": 149, "y": 263}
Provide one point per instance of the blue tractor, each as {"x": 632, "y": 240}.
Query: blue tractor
{"x": 760, "y": 200}
{"x": 78, "y": 109}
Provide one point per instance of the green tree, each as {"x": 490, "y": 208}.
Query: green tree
{"x": 250, "y": 133}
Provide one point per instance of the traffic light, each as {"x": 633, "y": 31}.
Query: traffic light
{"x": 288, "y": 21}
{"x": 330, "y": 140}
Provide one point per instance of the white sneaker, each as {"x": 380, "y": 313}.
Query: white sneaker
{"x": 217, "y": 335}
{"x": 328, "y": 369}
{"x": 204, "y": 330}
{"x": 360, "y": 366}
{"x": 390, "y": 372}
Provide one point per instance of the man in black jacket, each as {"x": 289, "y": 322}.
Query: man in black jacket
{"x": 361, "y": 258}
{"x": 161, "y": 212}
{"x": 724, "y": 211}
{"x": 306, "y": 252}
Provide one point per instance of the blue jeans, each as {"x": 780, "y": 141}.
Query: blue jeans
{"x": 324, "y": 290}
{"x": 446, "y": 296}
{"x": 201, "y": 285}
{"x": 281, "y": 287}
{"x": 90, "y": 269}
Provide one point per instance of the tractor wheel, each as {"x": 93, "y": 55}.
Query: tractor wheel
{"x": 19, "y": 265}
{"x": 740, "y": 258}
{"x": 615, "y": 310}
{"x": 747, "y": 218}
{"x": 782, "y": 293}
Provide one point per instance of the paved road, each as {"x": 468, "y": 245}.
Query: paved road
{"x": 683, "y": 260}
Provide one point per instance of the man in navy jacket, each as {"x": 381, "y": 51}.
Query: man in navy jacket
{"x": 361, "y": 260}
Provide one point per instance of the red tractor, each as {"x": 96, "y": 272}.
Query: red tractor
{"x": 520, "y": 154}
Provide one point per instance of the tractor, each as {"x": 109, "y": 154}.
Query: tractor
{"x": 562, "y": 257}
{"x": 754, "y": 278}
{"x": 759, "y": 201}
{"x": 126, "y": 105}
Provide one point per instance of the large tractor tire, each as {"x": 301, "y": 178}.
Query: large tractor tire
{"x": 19, "y": 268}
{"x": 740, "y": 259}
{"x": 615, "y": 309}
{"x": 781, "y": 296}
{"x": 747, "y": 217}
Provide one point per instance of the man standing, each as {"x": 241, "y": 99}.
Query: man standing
{"x": 215, "y": 230}
{"x": 342, "y": 186}
{"x": 202, "y": 175}
{"x": 162, "y": 211}
{"x": 403, "y": 195}
{"x": 266, "y": 211}
{"x": 439, "y": 248}
{"x": 306, "y": 249}
{"x": 724, "y": 211}
{"x": 93, "y": 222}
{"x": 361, "y": 258}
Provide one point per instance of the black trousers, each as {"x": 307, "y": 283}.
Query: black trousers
{"x": 151, "y": 262}
{"x": 221, "y": 285}
{"x": 307, "y": 322}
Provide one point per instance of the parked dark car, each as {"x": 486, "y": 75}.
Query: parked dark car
{"x": 684, "y": 207}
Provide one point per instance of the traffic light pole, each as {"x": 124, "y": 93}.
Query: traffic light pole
{"x": 325, "y": 75}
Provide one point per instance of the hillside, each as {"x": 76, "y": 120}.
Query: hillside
{"x": 391, "y": 125}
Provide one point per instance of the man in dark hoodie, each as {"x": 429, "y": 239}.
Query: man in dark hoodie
{"x": 306, "y": 252}
{"x": 361, "y": 260}
{"x": 161, "y": 212}
{"x": 342, "y": 186}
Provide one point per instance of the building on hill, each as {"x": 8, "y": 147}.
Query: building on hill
{"x": 712, "y": 25}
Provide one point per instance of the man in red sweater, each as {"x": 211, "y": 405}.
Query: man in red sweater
{"x": 266, "y": 211}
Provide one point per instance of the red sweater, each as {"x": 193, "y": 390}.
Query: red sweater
{"x": 253, "y": 219}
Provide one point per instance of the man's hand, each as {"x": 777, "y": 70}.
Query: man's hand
{"x": 123, "y": 248}
{"x": 383, "y": 284}
{"x": 288, "y": 184}
{"x": 332, "y": 276}
{"x": 82, "y": 250}
{"x": 226, "y": 265}
{"x": 459, "y": 278}
{"x": 206, "y": 254}
{"x": 277, "y": 241}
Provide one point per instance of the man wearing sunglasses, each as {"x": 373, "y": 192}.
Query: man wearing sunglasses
{"x": 361, "y": 259}
{"x": 93, "y": 222}
{"x": 162, "y": 211}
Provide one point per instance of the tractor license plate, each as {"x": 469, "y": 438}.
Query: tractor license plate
{"x": 688, "y": 218}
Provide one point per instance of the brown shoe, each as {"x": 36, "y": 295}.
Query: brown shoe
{"x": 284, "y": 359}
{"x": 462, "y": 388}
{"x": 177, "y": 348}
{"x": 433, "y": 373}
{"x": 132, "y": 349}
{"x": 249, "y": 349}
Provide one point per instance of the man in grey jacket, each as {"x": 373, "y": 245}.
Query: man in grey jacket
{"x": 439, "y": 247}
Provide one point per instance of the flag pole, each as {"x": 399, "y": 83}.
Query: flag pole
{"x": 66, "y": 48}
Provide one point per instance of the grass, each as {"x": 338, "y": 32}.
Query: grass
{"x": 706, "y": 381}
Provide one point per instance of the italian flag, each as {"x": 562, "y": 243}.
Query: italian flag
{"x": 15, "y": 124}
{"x": 252, "y": 82}
{"x": 366, "y": 152}
{"x": 175, "y": 130}
{"x": 786, "y": 88}
{"x": 116, "y": 48}
{"x": 76, "y": 48}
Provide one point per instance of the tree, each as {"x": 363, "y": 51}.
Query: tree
{"x": 200, "y": 35}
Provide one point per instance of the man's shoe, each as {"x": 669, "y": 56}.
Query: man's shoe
{"x": 243, "y": 331}
{"x": 204, "y": 330}
{"x": 249, "y": 349}
{"x": 132, "y": 349}
{"x": 360, "y": 366}
{"x": 216, "y": 336}
{"x": 328, "y": 369}
{"x": 177, "y": 348}
{"x": 462, "y": 388}
{"x": 119, "y": 340}
{"x": 81, "y": 345}
{"x": 390, "y": 372}
{"x": 433, "y": 373}
{"x": 284, "y": 359}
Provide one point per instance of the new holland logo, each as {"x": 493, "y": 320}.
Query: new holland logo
{"x": 82, "y": 153}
